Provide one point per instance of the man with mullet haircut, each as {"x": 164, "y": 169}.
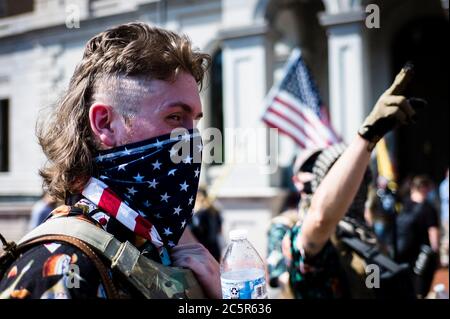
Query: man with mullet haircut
{"x": 109, "y": 148}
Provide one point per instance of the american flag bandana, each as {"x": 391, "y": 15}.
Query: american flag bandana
{"x": 150, "y": 186}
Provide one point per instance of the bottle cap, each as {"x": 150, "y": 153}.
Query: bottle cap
{"x": 439, "y": 288}
{"x": 238, "y": 234}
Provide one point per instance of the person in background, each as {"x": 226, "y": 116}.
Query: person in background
{"x": 281, "y": 224}
{"x": 41, "y": 209}
{"x": 337, "y": 272}
{"x": 443, "y": 195}
{"x": 376, "y": 219}
{"x": 206, "y": 223}
{"x": 418, "y": 234}
{"x": 314, "y": 269}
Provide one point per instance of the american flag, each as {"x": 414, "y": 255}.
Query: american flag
{"x": 294, "y": 107}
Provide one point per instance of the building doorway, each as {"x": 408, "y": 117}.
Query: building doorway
{"x": 423, "y": 148}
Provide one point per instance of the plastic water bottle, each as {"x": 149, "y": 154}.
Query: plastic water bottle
{"x": 439, "y": 291}
{"x": 242, "y": 271}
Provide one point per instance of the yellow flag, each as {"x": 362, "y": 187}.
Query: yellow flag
{"x": 384, "y": 164}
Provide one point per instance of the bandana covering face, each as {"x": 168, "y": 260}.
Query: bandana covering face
{"x": 150, "y": 186}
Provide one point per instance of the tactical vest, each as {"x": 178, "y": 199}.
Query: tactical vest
{"x": 153, "y": 280}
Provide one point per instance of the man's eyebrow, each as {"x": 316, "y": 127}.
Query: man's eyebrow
{"x": 186, "y": 107}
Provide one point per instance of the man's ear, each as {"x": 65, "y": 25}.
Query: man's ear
{"x": 101, "y": 117}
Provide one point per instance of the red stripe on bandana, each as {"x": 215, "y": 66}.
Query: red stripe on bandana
{"x": 101, "y": 195}
{"x": 143, "y": 227}
{"x": 109, "y": 202}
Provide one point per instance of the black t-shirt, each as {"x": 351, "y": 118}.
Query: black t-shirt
{"x": 412, "y": 229}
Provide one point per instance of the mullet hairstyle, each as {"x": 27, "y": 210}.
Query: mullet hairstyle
{"x": 134, "y": 50}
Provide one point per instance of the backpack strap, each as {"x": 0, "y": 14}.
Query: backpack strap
{"x": 152, "y": 279}
{"x": 92, "y": 235}
{"x": 111, "y": 291}
{"x": 372, "y": 254}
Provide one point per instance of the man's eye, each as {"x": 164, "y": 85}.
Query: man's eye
{"x": 175, "y": 117}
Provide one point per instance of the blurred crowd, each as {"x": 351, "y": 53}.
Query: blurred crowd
{"x": 404, "y": 232}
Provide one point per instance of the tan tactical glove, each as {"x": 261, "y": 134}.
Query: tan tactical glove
{"x": 391, "y": 109}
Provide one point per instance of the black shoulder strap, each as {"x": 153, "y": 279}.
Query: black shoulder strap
{"x": 372, "y": 254}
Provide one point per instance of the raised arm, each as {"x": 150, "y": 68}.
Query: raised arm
{"x": 336, "y": 192}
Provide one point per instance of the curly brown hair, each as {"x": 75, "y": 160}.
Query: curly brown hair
{"x": 128, "y": 50}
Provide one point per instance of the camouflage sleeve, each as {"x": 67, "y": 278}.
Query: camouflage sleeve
{"x": 312, "y": 277}
{"x": 52, "y": 271}
{"x": 275, "y": 260}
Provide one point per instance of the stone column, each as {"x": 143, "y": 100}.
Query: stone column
{"x": 348, "y": 60}
{"x": 242, "y": 185}
{"x": 245, "y": 86}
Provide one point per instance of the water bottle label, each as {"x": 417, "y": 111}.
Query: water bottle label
{"x": 238, "y": 289}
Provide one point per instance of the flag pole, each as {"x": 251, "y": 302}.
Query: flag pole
{"x": 389, "y": 198}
